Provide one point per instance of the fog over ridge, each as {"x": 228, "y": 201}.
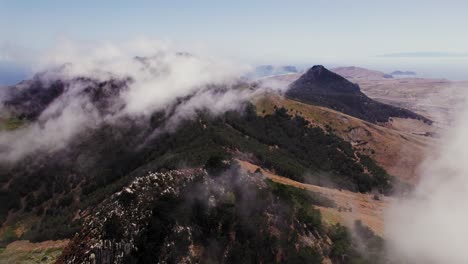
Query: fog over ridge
{"x": 150, "y": 81}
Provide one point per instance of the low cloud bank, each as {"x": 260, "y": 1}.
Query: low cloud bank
{"x": 153, "y": 74}
{"x": 430, "y": 226}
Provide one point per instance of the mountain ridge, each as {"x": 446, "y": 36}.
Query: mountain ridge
{"x": 59, "y": 191}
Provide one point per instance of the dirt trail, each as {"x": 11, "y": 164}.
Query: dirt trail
{"x": 350, "y": 206}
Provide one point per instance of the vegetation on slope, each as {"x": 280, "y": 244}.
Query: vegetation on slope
{"x": 398, "y": 152}
{"x": 243, "y": 223}
{"x": 226, "y": 217}
{"x": 32, "y": 253}
{"x": 11, "y": 123}
{"x": 56, "y": 185}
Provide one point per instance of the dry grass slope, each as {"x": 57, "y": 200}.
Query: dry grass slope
{"x": 398, "y": 148}
{"x": 350, "y": 206}
{"x": 26, "y": 252}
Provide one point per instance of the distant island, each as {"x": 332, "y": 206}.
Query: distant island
{"x": 263, "y": 71}
{"x": 403, "y": 73}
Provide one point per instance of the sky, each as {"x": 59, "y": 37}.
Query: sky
{"x": 416, "y": 34}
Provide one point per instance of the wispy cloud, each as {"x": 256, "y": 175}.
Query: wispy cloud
{"x": 430, "y": 54}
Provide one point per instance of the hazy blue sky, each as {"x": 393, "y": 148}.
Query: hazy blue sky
{"x": 335, "y": 32}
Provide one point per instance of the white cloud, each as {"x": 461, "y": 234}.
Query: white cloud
{"x": 430, "y": 226}
{"x": 157, "y": 78}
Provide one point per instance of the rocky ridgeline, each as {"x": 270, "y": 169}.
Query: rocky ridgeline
{"x": 190, "y": 216}
{"x": 109, "y": 232}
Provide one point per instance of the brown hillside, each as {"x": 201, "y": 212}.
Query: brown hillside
{"x": 350, "y": 206}
{"x": 358, "y": 72}
{"x": 399, "y": 148}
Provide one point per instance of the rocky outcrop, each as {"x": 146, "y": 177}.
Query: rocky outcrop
{"x": 110, "y": 231}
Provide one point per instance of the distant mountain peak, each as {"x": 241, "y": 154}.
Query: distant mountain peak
{"x": 320, "y": 75}
{"x": 320, "y": 86}
{"x": 318, "y": 71}
{"x": 318, "y": 67}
